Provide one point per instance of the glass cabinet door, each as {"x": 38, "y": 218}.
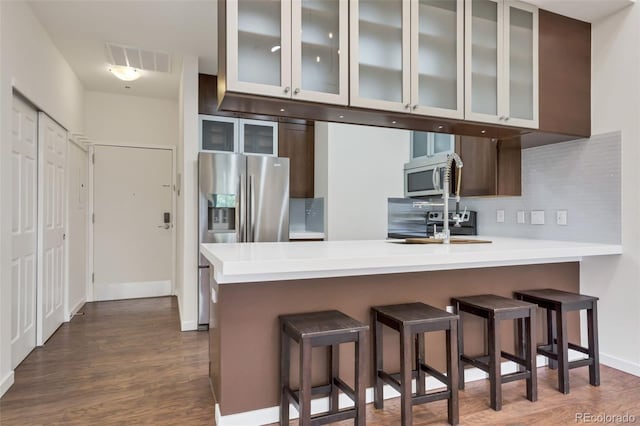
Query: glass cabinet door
{"x": 218, "y": 134}
{"x": 259, "y": 137}
{"x": 437, "y": 71}
{"x": 443, "y": 144}
{"x": 483, "y": 59}
{"x": 521, "y": 64}
{"x": 259, "y": 47}
{"x": 380, "y": 54}
{"x": 320, "y": 44}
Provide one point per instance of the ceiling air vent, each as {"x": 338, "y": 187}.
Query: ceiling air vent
{"x": 147, "y": 60}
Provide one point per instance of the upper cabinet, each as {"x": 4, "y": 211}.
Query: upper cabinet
{"x": 501, "y": 58}
{"x": 408, "y": 56}
{"x": 245, "y": 136}
{"x": 290, "y": 49}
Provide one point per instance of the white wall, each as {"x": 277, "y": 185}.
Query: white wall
{"x": 130, "y": 120}
{"x": 356, "y": 169}
{"x": 582, "y": 177}
{"x": 615, "y": 103}
{"x": 187, "y": 214}
{"x": 29, "y": 62}
{"x": 77, "y": 231}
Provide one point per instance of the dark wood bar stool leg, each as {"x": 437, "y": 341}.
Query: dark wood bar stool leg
{"x": 520, "y": 341}
{"x": 420, "y": 359}
{"x": 360, "y": 374}
{"x": 334, "y": 353}
{"x": 378, "y": 397}
{"x": 563, "y": 350}
{"x": 405, "y": 378}
{"x": 460, "y": 348}
{"x": 594, "y": 351}
{"x": 452, "y": 373}
{"x": 551, "y": 336}
{"x": 305, "y": 382}
{"x": 495, "y": 375}
{"x": 285, "y": 356}
{"x": 530, "y": 356}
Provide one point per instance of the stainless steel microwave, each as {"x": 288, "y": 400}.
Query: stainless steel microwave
{"x": 424, "y": 178}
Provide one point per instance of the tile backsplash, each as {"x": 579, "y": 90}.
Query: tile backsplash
{"x": 580, "y": 177}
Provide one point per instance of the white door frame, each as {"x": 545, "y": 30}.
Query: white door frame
{"x": 90, "y": 284}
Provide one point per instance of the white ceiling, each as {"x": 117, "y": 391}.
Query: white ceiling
{"x": 584, "y": 10}
{"x": 80, "y": 29}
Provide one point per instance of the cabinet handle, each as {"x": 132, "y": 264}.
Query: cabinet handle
{"x": 296, "y": 91}
{"x": 407, "y": 106}
{"x": 286, "y": 89}
{"x": 415, "y": 107}
{"x": 506, "y": 119}
{"x": 501, "y": 117}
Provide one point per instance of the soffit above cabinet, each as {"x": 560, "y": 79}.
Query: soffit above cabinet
{"x": 584, "y": 10}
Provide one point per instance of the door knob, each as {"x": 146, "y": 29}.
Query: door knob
{"x": 286, "y": 89}
{"x": 296, "y": 91}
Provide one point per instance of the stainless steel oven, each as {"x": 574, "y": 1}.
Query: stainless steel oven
{"x": 424, "y": 178}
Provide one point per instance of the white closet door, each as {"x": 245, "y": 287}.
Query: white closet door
{"x": 52, "y": 147}
{"x": 23, "y": 230}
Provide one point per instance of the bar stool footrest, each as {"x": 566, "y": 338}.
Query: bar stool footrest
{"x": 512, "y": 377}
{"x": 580, "y": 363}
{"x": 344, "y": 388}
{"x": 323, "y": 419}
{"x": 481, "y": 362}
{"x": 434, "y": 373}
{"x": 430, "y": 397}
{"x": 512, "y": 357}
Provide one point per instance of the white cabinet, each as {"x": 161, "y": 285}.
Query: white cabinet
{"x": 425, "y": 145}
{"x": 295, "y": 49}
{"x": 226, "y": 134}
{"x": 407, "y": 56}
{"x": 501, "y": 58}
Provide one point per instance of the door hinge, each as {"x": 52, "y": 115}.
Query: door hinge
{"x": 93, "y": 277}
{"x": 93, "y": 218}
{"x": 93, "y": 158}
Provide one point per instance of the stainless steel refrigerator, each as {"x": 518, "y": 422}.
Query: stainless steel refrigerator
{"x": 243, "y": 198}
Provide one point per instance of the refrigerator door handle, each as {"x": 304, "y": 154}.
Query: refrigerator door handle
{"x": 251, "y": 221}
{"x": 241, "y": 216}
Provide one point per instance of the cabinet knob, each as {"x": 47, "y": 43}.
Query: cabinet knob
{"x": 286, "y": 89}
{"x": 506, "y": 119}
{"x": 407, "y": 106}
{"x": 296, "y": 91}
{"x": 501, "y": 117}
{"x": 415, "y": 107}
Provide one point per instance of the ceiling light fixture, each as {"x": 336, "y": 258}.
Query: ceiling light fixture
{"x": 281, "y": 109}
{"x": 394, "y": 122}
{"x": 125, "y": 73}
{"x": 274, "y": 49}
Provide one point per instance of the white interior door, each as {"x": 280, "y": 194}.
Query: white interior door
{"x": 24, "y": 230}
{"x": 132, "y": 254}
{"x": 52, "y": 153}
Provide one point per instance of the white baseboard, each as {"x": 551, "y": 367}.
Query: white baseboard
{"x": 270, "y": 415}
{"x": 75, "y": 309}
{"x": 6, "y": 382}
{"x": 188, "y": 326}
{"x": 134, "y": 290}
{"x": 620, "y": 364}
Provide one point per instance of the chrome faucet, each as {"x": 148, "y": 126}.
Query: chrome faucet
{"x": 445, "y": 235}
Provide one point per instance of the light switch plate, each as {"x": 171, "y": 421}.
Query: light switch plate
{"x": 561, "y": 217}
{"x": 500, "y": 216}
{"x": 537, "y": 217}
{"x": 520, "y": 216}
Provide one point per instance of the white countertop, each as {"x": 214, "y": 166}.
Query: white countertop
{"x": 306, "y": 235}
{"x": 251, "y": 262}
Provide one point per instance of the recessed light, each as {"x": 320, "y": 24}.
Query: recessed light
{"x": 330, "y": 35}
{"x": 274, "y": 49}
{"x": 317, "y": 58}
{"x": 341, "y": 116}
{"x": 394, "y": 122}
{"x": 483, "y": 132}
{"x": 440, "y": 127}
{"x": 125, "y": 73}
{"x": 281, "y": 109}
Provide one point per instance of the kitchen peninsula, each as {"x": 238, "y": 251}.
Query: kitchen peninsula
{"x": 253, "y": 283}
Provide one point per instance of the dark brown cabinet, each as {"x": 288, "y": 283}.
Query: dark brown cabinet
{"x": 296, "y": 142}
{"x": 491, "y": 167}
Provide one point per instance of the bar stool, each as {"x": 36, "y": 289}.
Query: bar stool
{"x": 558, "y": 345}
{"x": 326, "y": 328}
{"x": 412, "y": 320}
{"x": 495, "y": 309}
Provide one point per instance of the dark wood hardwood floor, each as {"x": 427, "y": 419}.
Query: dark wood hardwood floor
{"x": 126, "y": 362}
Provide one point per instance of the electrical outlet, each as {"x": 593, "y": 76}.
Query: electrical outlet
{"x": 561, "y": 217}
{"x": 520, "y": 216}
{"x": 500, "y": 216}
{"x": 449, "y": 309}
{"x": 537, "y": 217}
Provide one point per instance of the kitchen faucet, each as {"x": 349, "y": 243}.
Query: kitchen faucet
{"x": 445, "y": 235}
